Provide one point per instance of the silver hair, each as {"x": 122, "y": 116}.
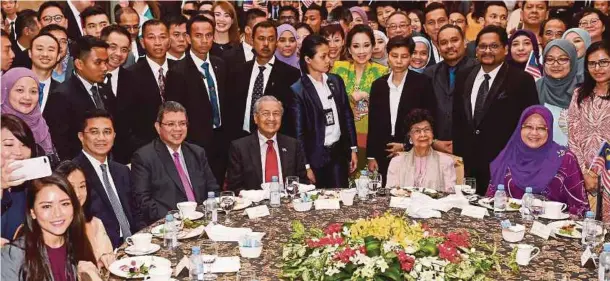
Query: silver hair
{"x": 262, "y": 99}
{"x": 169, "y": 106}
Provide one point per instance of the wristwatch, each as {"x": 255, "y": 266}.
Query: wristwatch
{"x": 355, "y": 149}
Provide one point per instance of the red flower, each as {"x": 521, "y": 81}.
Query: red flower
{"x": 333, "y": 228}
{"x": 324, "y": 241}
{"x": 345, "y": 255}
{"x": 448, "y": 252}
{"x": 458, "y": 239}
{"x": 406, "y": 261}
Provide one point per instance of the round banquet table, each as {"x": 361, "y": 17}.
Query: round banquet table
{"x": 559, "y": 258}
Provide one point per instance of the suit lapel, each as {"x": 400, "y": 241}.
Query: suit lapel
{"x": 283, "y": 155}
{"x": 468, "y": 93}
{"x": 86, "y": 97}
{"x": 311, "y": 91}
{"x": 168, "y": 163}
{"x": 191, "y": 162}
{"x": 255, "y": 155}
{"x": 404, "y": 98}
{"x": 123, "y": 196}
{"x": 152, "y": 79}
{"x": 443, "y": 75}
{"x": 95, "y": 179}
{"x": 494, "y": 90}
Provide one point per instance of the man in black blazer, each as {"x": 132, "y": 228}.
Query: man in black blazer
{"x": 275, "y": 79}
{"x": 488, "y": 102}
{"x": 392, "y": 97}
{"x": 82, "y": 92}
{"x": 324, "y": 121}
{"x": 443, "y": 76}
{"x": 244, "y": 52}
{"x": 138, "y": 107}
{"x": 26, "y": 28}
{"x": 198, "y": 82}
{"x": 72, "y": 11}
{"x": 109, "y": 197}
{"x": 169, "y": 170}
{"x": 253, "y": 161}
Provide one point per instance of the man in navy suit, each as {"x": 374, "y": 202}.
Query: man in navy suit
{"x": 108, "y": 182}
{"x": 324, "y": 121}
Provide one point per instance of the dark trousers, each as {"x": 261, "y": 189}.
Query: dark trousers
{"x": 334, "y": 173}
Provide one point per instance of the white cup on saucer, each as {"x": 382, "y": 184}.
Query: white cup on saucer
{"x": 554, "y": 209}
{"x": 187, "y": 209}
{"x": 347, "y": 196}
{"x": 140, "y": 241}
{"x": 524, "y": 253}
{"x": 159, "y": 274}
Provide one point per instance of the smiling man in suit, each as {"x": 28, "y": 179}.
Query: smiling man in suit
{"x": 108, "y": 182}
{"x": 169, "y": 170}
{"x": 44, "y": 54}
{"x": 82, "y": 92}
{"x": 487, "y": 102}
{"x": 256, "y": 158}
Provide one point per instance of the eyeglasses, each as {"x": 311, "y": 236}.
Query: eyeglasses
{"x": 456, "y": 22}
{"x": 131, "y": 27}
{"x": 55, "y": 18}
{"x": 601, "y": 63}
{"x": 532, "y": 128}
{"x": 493, "y": 47}
{"x": 267, "y": 114}
{"x": 174, "y": 125}
{"x": 584, "y": 23}
{"x": 97, "y": 133}
{"x": 419, "y": 131}
{"x": 556, "y": 34}
{"x": 560, "y": 61}
{"x": 395, "y": 26}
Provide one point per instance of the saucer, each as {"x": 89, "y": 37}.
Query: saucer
{"x": 194, "y": 215}
{"x": 133, "y": 252}
{"x": 563, "y": 216}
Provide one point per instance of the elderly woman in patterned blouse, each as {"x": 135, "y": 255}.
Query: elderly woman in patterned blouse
{"x": 532, "y": 159}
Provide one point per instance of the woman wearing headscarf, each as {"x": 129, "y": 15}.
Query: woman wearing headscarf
{"x": 287, "y": 45}
{"x": 556, "y": 87}
{"x": 359, "y": 16}
{"x": 422, "y": 54}
{"x": 532, "y": 159}
{"x": 520, "y": 46}
{"x": 380, "y": 55}
{"x": 20, "y": 97}
{"x": 581, "y": 40}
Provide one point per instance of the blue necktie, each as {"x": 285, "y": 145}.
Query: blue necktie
{"x": 212, "y": 93}
{"x": 40, "y": 93}
{"x": 451, "y": 78}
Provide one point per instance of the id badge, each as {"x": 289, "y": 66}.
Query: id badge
{"x": 329, "y": 116}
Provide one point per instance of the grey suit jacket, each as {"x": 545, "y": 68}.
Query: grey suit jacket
{"x": 13, "y": 258}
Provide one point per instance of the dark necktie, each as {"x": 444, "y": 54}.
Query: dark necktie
{"x": 109, "y": 82}
{"x": 481, "y": 96}
{"x": 212, "y": 93}
{"x": 115, "y": 203}
{"x": 161, "y": 82}
{"x": 97, "y": 98}
{"x": 188, "y": 189}
{"x": 12, "y": 31}
{"x": 271, "y": 165}
{"x": 257, "y": 93}
{"x": 451, "y": 78}
{"x": 40, "y": 93}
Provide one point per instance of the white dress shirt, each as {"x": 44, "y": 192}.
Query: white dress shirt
{"x": 171, "y": 57}
{"x": 395, "y": 94}
{"x": 155, "y": 68}
{"x": 333, "y": 132}
{"x": 88, "y": 87}
{"x": 182, "y": 162}
{"x": 262, "y": 140}
{"x": 477, "y": 84}
{"x": 19, "y": 45}
{"x": 114, "y": 80}
{"x": 247, "y": 51}
{"x": 254, "y": 73}
{"x": 98, "y": 170}
{"x": 134, "y": 50}
{"x": 45, "y": 92}
{"x": 76, "y": 14}
{"x": 199, "y": 62}
{"x": 437, "y": 55}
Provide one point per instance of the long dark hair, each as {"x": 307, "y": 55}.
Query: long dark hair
{"x": 357, "y": 29}
{"x": 77, "y": 244}
{"x": 22, "y": 132}
{"x": 66, "y": 168}
{"x": 309, "y": 48}
{"x": 586, "y": 90}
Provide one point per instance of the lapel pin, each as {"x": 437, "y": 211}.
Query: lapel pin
{"x": 284, "y": 149}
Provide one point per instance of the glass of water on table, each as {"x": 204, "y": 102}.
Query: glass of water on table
{"x": 209, "y": 253}
{"x": 292, "y": 186}
{"x": 227, "y": 203}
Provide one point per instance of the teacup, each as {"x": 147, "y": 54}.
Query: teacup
{"x": 554, "y": 209}
{"x": 187, "y": 208}
{"x": 159, "y": 274}
{"x": 347, "y": 196}
{"x": 524, "y": 253}
{"x": 140, "y": 241}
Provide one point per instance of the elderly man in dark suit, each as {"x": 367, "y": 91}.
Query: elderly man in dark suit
{"x": 169, "y": 170}
{"x": 108, "y": 182}
{"x": 393, "y": 96}
{"x": 82, "y": 92}
{"x": 256, "y": 158}
{"x": 324, "y": 121}
{"x": 487, "y": 104}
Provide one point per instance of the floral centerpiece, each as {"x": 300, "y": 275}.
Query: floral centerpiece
{"x": 386, "y": 247}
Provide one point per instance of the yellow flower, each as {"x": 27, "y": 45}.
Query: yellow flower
{"x": 387, "y": 227}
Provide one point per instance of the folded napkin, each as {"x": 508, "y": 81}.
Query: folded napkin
{"x": 221, "y": 233}
{"x": 306, "y": 187}
{"x": 423, "y": 206}
{"x": 454, "y": 201}
{"x": 255, "y": 195}
{"x": 221, "y": 265}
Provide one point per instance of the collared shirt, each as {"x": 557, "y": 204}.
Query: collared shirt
{"x": 395, "y": 94}
{"x": 253, "y": 75}
{"x": 134, "y": 50}
{"x": 199, "y": 62}
{"x": 171, "y": 57}
{"x": 98, "y": 170}
{"x": 478, "y": 81}
{"x": 155, "y": 68}
{"x": 247, "y": 51}
{"x": 45, "y": 92}
{"x": 88, "y": 86}
{"x": 437, "y": 55}
{"x": 332, "y": 132}
{"x": 8, "y": 26}
{"x": 76, "y": 14}
{"x": 182, "y": 162}
{"x": 114, "y": 80}
{"x": 20, "y": 47}
{"x": 262, "y": 141}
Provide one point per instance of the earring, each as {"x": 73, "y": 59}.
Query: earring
{"x": 410, "y": 141}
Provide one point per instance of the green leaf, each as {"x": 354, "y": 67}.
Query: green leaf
{"x": 392, "y": 273}
{"x": 298, "y": 230}
{"x": 373, "y": 246}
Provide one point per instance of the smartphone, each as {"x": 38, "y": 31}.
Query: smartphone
{"x": 33, "y": 168}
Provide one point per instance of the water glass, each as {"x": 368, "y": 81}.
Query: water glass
{"x": 227, "y": 203}
{"x": 177, "y": 218}
{"x": 472, "y": 182}
{"x": 593, "y": 234}
{"x": 373, "y": 186}
{"x": 292, "y": 186}
{"x": 209, "y": 253}
{"x": 537, "y": 207}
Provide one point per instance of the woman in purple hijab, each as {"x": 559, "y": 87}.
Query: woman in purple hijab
{"x": 287, "y": 45}
{"x": 532, "y": 159}
{"x": 20, "y": 97}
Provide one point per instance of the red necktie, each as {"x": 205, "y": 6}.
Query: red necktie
{"x": 271, "y": 168}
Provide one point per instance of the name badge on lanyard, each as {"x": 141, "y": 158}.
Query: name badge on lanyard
{"x": 329, "y": 117}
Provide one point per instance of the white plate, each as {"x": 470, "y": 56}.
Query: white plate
{"x": 563, "y": 216}
{"x": 120, "y": 267}
{"x": 194, "y": 216}
{"x": 399, "y": 192}
{"x": 488, "y": 203}
{"x": 555, "y": 226}
{"x": 133, "y": 252}
{"x": 182, "y": 234}
{"x": 241, "y": 204}
{"x": 420, "y": 189}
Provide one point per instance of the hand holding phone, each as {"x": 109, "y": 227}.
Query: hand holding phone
{"x": 33, "y": 168}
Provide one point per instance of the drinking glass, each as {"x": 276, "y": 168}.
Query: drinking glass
{"x": 472, "y": 182}
{"x": 227, "y": 203}
{"x": 537, "y": 207}
{"x": 373, "y": 186}
{"x": 593, "y": 235}
{"x": 246, "y": 275}
{"x": 209, "y": 253}
{"x": 292, "y": 186}
{"x": 177, "y": 218}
